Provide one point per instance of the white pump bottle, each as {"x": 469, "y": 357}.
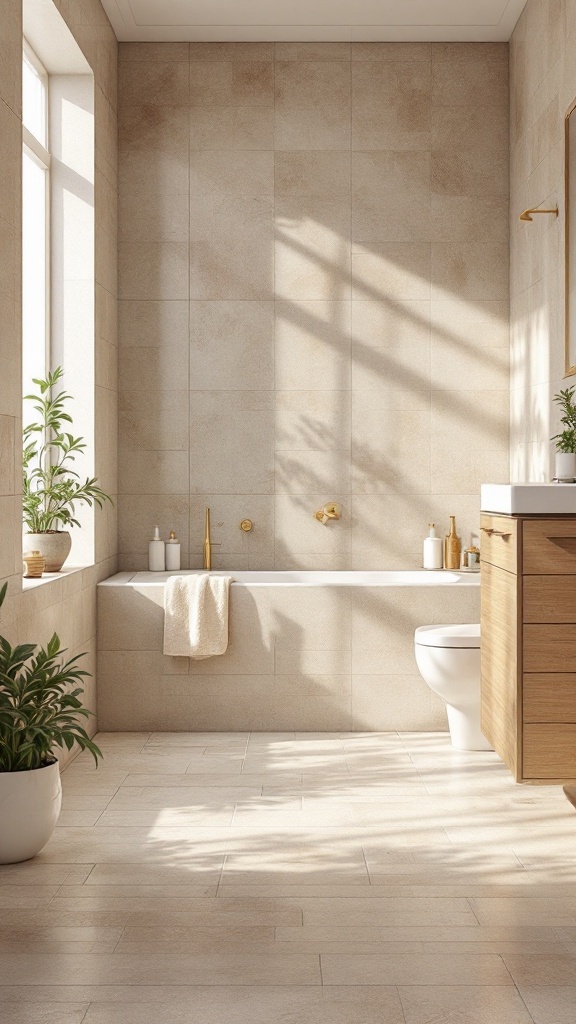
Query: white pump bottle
{"x": 432, "y": 555}
{"x": 156, "y": 552}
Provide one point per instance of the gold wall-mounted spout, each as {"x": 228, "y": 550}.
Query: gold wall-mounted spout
{"x": 246, "y": 525}
{"x": 527, "y": 214}
{"x": 331, "y": 510}
{"x": 207, "y": 541}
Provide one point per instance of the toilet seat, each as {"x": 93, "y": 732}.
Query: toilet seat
{"x": 460, "y": 635}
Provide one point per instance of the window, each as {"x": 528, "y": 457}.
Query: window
{"x": 35, "y": 218}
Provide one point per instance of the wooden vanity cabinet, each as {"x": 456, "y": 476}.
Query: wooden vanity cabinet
{"x": 528, "y": 655}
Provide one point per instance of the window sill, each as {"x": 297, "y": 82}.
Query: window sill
{"x": 51, "y": 577}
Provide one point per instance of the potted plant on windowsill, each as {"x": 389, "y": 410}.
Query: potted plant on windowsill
{"x": 39, "y": 709}
{"x": 565, "y": 464}
{"x": 51, "y": 488}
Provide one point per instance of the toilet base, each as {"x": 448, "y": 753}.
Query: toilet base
{"x": 464, "y": 725}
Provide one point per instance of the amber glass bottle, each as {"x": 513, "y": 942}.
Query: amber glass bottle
{"x": 452, "y": 547}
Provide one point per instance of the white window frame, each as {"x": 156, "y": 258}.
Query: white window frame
{"x": 41, "y": 155}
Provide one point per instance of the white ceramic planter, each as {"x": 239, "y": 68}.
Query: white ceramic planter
{"x": 29, "y": 808}
{"x": 54, "y": 547}
{"x": 565, "y": 466}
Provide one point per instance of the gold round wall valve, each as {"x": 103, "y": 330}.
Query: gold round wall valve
{"x": 246, "y": 525}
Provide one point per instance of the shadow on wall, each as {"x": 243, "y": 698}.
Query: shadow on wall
{"x": 390, "y": 375}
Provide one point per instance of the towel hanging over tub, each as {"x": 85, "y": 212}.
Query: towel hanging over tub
{"x": 196, "y": 615}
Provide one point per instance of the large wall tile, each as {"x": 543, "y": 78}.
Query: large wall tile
{"x": 391, "y": 105}
{"x": 309, "y": 471}
{"x": 153, "y": 270}
{"x": 312, "y": 345}
{"x": 162, "y": 83}
{"x": 232, "y": 83}
{"x": 154, "y": 420}
{"x": 390, "y": 449}
{"x": 312, "y": 173}
{"x": 231, "y": 346}
{"x": 163, "y": 220}
{"x": 153, "y": 324}
{"x": 390, "y": 345}
{"x": 312, "y": 420}
{"x": 312, "y": 248}
{"x": 457, "y": 83}
{"x": 312, "y": 104}
{"x": 394, "y": 271}
{"x": 391, "y": 196}
{"x": 231, "y": 128}
{"x": 471, "y": 270}
{"x": 244, "y": 465}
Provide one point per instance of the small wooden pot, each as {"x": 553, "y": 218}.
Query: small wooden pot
{"x": 33, "y": 564}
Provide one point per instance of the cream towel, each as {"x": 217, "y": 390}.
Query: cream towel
{"x": 196, "y": 615}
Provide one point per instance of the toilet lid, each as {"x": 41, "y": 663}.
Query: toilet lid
{"x": 466, "y": 635}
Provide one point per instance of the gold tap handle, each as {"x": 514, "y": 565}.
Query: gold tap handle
{"x": 246, "y": 525}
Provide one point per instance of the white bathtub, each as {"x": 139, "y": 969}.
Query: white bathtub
{"x": 407, "y": 578}
{"x": 308, "y": 651}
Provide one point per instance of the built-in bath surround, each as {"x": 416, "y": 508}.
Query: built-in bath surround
{"x": 317, "y": 651}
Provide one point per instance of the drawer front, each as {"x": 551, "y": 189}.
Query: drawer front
{"x": 549, "y": 647}
{"x": 550, "y": 697}
{"x": 550, "y": 751}
{"x": 499, "y": 542}
{"x": 549, "y": 546}
{"x": 549, "y": 599}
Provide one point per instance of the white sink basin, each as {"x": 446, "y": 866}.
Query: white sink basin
{"x": 529, "y": 499}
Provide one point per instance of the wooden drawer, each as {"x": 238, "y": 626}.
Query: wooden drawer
{"x": 549, "y": 599}
{"x": 550, "y": 751}
{"x": 550, "y": 647}
{"x": 550, "y": 697}
{"x": 499, "y": 542}
{"x": 549, "y": 546}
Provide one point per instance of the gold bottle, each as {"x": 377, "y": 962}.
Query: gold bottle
{"x": 452, "y": 547}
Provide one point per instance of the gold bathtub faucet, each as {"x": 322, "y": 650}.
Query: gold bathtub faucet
{"x": 207, "y": 541}
{"x": 331, "y": 510}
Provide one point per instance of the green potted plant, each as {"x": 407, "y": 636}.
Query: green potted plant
{"x": 39, "y": 709}
{"x": 52, "y": 489}
{"x": 565, "y": 467}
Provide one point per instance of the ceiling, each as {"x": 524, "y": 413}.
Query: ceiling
{"x": 299, "y": 20}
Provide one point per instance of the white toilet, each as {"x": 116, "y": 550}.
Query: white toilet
{"x": 448, "y": 658}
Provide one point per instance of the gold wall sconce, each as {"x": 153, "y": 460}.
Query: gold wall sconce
{"x": 331, "y": 510}
{"x": 527, "y": 214}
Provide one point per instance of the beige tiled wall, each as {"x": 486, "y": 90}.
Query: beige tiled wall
{"x": 309, "y": 658}
{"x": 543, "y": 86}
{"x": 314, "y": 296}
{"x": 68, "y": 605}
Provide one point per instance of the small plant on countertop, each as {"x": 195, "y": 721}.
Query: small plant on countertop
{"x": 39, "y": 704}
{"x": 52, "y": 488}
{"x": 566, "y": 440}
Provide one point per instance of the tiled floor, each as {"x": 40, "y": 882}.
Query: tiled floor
{"x": 294, "y": 879}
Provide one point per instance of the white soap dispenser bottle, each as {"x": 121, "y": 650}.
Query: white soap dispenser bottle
{"x": 432, "y": 556}
{"x": 172, "y": 553}
{"x": 156, "y": 552}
